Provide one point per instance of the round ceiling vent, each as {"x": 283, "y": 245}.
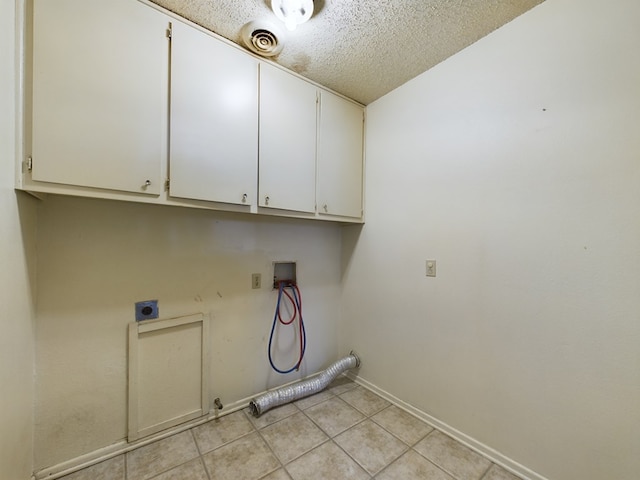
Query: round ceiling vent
{"x": 262, "y": 38}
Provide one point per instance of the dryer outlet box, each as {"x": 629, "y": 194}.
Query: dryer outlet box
{"x": 147, "y": 310}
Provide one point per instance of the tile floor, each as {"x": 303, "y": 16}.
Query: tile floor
{"x": 344, "y": 432}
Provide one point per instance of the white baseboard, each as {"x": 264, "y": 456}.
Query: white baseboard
{"x": 118, "y": 448}
{"x": 122, "y": 446}
{"x": 479, "y": 447}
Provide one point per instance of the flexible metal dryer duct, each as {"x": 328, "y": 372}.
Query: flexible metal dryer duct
{"x": 304, "y": 388}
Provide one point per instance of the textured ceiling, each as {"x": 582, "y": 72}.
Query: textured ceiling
{"x": 362, "y": 48}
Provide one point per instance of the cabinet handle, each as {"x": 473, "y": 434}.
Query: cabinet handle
{"x": 326, "y": 208}
{"x": 266, "y": 200}
{"x": 147, "y": 183}
{"x": 244, "y": 198}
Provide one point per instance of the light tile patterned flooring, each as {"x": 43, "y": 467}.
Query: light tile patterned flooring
{"x": 344, "y": 432}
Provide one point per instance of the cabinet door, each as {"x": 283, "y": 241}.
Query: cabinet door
{"x": 287, "y": 141}
{"x": 100, "y": 71}
{"x": 340, "y": 140}
{"x": 214, "y": 119}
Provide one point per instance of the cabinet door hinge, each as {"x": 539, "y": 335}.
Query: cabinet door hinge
{"x": 29, "y": 163}
{"x": 169, "y": 31}
{"x": 166, "y": 185}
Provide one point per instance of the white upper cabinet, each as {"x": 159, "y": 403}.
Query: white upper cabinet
{"x": 288, "y": 114}
{"x": 125, "y": 96}
{"x": 340, "y": 159}
{"x": 214, "y": 119}
{"x": 99, "y": 94}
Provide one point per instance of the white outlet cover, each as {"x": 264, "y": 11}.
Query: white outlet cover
{"x": 431, "y": 268}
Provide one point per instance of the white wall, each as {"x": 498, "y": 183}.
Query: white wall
{"x": 516, "y": 165}
{"x": 96, "y": 258}
{"x": 17, "y": 240}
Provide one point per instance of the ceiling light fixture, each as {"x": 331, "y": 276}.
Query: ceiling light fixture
{"x": 292, "y": 12}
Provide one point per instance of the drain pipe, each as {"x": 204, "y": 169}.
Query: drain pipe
{"x": 304, "y": 388}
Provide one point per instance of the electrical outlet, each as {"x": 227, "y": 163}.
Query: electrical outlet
{"x": 256, "y": 280}
{"x": 147, "y": 310}
{"x": 431, "y": 268}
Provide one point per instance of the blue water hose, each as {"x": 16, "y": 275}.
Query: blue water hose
{"x": 276, "y": 316}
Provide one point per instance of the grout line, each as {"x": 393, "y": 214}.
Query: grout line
{"x": 270, "y": 448}
{"x": 439, "y": 467}
{"x": 519, "y": 471}
{"x": 356, "y": 461}
{"x": 330, "y": 438}
{"x": 409, "y": 445}
{"x": 204, "y": 467}
{"x": 193, "y": 436}
{"x": 487, "y": 471}
{"x": 178, "y": 465}
{"x": 258, "y": 431}
{"x": 333, "y": 437}
{"x": 339, "y": 433}
{"x": 312, "y": 448}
